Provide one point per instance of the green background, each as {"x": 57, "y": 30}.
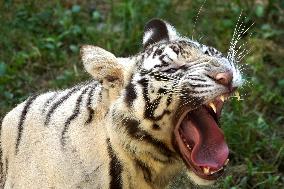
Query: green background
{"x": 39, "y": 51}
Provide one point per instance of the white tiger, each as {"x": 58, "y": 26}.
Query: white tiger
{"x": 136, "y": 125}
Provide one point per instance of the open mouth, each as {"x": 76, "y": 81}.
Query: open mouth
{"x": 201, "y": 142}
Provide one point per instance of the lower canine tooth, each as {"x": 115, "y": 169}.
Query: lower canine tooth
{"x": 226, "y": 162}
{"x": 212, "y": 106}
{"x": 206, "y": 170}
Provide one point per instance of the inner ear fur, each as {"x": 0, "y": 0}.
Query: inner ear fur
{"x": 102, "y": 65}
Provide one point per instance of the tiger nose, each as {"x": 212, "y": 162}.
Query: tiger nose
{"x": 224, "y": 78}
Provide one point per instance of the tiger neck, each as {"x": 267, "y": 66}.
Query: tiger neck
{"x": 141, "y": 169}
{"x": 148, "y": 162}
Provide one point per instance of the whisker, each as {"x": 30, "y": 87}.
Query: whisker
{"x": 196, "y": 18}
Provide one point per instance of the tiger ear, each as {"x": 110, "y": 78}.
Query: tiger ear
{"x": 102, "y": 65}
{"x": 157, "y": 30}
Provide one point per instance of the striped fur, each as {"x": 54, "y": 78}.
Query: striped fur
{"x": 115, "y": 131}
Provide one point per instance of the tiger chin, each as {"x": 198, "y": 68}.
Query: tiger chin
{"x": 136, "y": 124}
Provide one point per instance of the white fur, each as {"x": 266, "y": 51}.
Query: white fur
{"x": 199, "y": 181}
{"x": 147, "y": 36}
{"x": 43, "y": 162}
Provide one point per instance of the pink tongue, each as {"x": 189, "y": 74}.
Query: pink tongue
{"x": 210, "y": 148}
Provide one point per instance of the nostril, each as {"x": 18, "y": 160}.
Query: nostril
{"x": 224, "y": 78}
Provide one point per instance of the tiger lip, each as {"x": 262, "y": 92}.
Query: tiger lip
{"x": 214, "y": 108}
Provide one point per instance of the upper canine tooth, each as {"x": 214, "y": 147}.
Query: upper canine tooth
{"x": 206, "y": 170}
{"x": 222, "y": 98}
{"x": 213, "y": 107}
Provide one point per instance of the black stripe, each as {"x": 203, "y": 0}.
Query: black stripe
{"x": 159, "y": 77}
{"x": 145, "y": 169}
{"x": 207, "y": 69}
{"x": 130, "y": 94}
{"x": 175, "y": 48}
{"x": 194, "y": 100}
{"x": 58, "y": 103}
{"x": 22, "y": 119}
{"x": 6, "y": 166}
{"x": 197, "y": 79}
{"x": 192, "y": 70}
{"x": 91, "y": 115}
{"x": 156, "y": 126}
{"x": 162, "y": 65}
{"x": 75, "y": 113}
{"x": 158, "y": 159}
{"x": 209, "y": 76}
{"x": 132, "y": 127}
{"x": 1, "y": 153}
{"x": 150, "y": 107}
{"x": 170, "y": 70}
{"x": 49, "y": 100}
{"x": 89, "y": 106}
{"x": 162, "y": 59}
{"x": 159, "y": 117}
{"x": 198, "y": 92}
{"x": 169, "y": 99}
{"x": 198, "y": 85}
{"x": 115, "y": 168}
{"x": 158, "y": 51}
{"x": 162, "y": 91}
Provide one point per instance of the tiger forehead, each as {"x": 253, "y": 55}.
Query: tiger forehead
{"x": 179, "y": 44}
{"x": 183, "y": 48}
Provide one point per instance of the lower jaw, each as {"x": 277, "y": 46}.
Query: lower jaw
{"x": 211, "y": 177}
{"x": 199, "y": 181}
{"x": 198, "y": 173}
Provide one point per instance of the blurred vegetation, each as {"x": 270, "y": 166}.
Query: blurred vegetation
{"x": 39, "y": 51}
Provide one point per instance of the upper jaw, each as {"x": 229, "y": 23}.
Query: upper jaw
{"x": 214, "y": 104}
{"x": 217, "y": 103}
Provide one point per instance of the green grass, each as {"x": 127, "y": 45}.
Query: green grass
{"x": 40, "y": 40}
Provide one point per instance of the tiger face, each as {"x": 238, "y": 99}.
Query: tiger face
{"x": 166, "y": 101}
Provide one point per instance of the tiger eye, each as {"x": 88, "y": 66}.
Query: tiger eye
{"x": 175, "y": 49}
{"x": 159, "y": 51}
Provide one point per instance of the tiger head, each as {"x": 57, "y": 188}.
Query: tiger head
{"x": 168, "y": 99}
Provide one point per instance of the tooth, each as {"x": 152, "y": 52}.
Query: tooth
{"x": 226, "y": 162}
{"x": 222, "y": 98}
{"x": 212, "y": 106}
{"x": 206, "y": 170}
{"x": 212, "y": 172}
{"x": 188, "y": 146}
{"x": 220, "y": 169}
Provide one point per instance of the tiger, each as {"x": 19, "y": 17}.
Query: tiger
{"x": 137, "y": 123}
